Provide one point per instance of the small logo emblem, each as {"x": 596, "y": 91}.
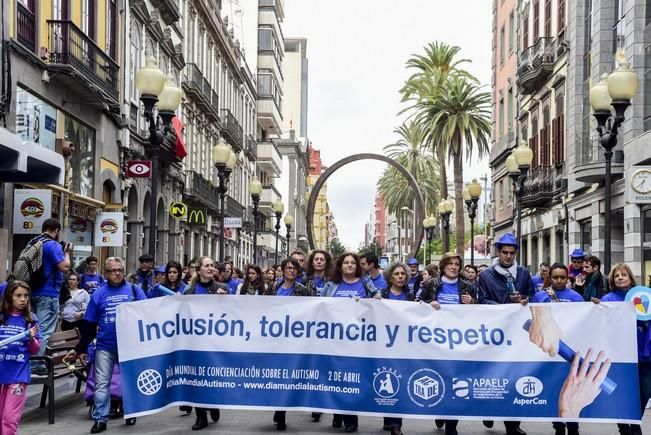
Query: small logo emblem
{"x": 426, "y": 388}
{"x": 149, "y": 382}
{"x": 386, "y": 382}
{"x": 461, "y": 388}
{"x": 529, "y": 386}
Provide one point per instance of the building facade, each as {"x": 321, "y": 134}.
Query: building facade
{"x": 323, "y": 219}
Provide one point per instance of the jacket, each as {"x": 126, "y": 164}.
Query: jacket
{"x": 492, "y": 287}
{"x": 331, "y": 287}
{"x": 299, "y": 290}
{"x": 405, "y": 289}
{"x": 214, "y": 286}
{"x": 595, "y": 286}
{"x": 432, "y": 286}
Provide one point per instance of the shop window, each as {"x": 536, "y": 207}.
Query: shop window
{"x": 36, "y": 120}
{"x": 82, "y": 161}
{"x": 586, "y": 235}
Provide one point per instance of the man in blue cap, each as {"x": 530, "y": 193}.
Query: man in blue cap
{"x": 414, "y": 278}
{"x": 505, "y": 283}
{"x": 576, "y": 263}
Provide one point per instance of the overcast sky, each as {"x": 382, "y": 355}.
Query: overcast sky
{"x": 357, "y": 51}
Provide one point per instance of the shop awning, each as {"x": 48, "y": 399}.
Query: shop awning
{"x": 28, "y": 162}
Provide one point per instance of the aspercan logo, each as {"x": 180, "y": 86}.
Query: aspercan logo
{"x": 386, "y": 384}
{"x": 149, "y": 382}
{"x": 426, "y": 388}
{"x": 529, "y": 387}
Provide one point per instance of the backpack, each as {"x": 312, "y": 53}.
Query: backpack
{"x": 29, "y": 265}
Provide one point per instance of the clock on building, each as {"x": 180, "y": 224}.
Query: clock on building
{"x": 641, "y": 181}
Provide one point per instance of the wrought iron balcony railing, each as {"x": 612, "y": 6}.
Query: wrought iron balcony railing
{"x": 231, "y": 129}
{"x": 26, "y": 25}
{"x": 538, "y": 187}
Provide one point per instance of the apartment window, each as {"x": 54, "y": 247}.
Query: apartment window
{"x": 525, "y": 31}
{"x": 501, "y": 118}
{"x": 502, "y": 45}
{"x": 558, "y": 130}
{"x": 536, "y": 21}
{"x": 509, "y": 111}
{"x": 618, "y": 26}
{"x": 500, "y": 193}
{"x": 111, "y": 29}
{"x": 544, "y": 138}
{"x": 88, "y": 18}
{"x": 511, "y": 32}
{"x": 548, "y": 18}
{"x": 533, "y": 142}
{"x": 134, "y": 56}
{"x": 585, "y": 228}
{"x": 561, "y": 19}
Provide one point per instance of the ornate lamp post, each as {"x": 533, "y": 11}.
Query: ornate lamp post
{"x": 518, "y": 164}
{"x": 154, "y": 88}
{"x": 289, "y": 221}
{"x": 429, "y": 223}
{"x": 445, "y": 210}
{"x": 255, "y": 188}
{"x": 225, "y": 160}
{"x": 278, "y": 207}
{"x": 614, "y": 91}
{"x": 471, "y": 195}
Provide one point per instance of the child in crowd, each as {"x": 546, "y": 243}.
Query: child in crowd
{"x": 15, "y": 318}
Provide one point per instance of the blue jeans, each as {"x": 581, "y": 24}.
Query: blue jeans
{"x": 104, "y": 361}
{"x": 46, "y": 309}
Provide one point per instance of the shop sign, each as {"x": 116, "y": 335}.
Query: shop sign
{"x": 233, "y": 222}
{"x": 197, "y": 216}
{"x": 178, "y": 210}
{"x": 31, "y": 208}
{"x": 109, "y": 229}
{"x": 79, "y": 231}
{"x": 139, "y": 168}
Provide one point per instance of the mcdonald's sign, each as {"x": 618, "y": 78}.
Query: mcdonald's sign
{"x": 196, "y": 216}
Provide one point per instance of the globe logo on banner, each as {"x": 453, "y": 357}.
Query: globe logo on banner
{"x": 426, "y": 388}
{"x": 149, "y": 382}
{"x": 529, "y": 386}
{"x": 386, "y": 383}
{"x": 640, "y": 297}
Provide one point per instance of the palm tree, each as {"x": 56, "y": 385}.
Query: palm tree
{"x": 460, "y": 117}
{"x": 414, "y": 153}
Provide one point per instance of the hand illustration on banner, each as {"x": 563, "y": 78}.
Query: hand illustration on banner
{"x": 544, "y": 332}
{"x": 583, "y": 384}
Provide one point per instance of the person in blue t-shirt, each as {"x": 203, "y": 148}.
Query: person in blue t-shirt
{"x": 229, "y": 280}
{"x": 319, "y": 264}
{"x": 371, "y": 268}
{"x": 145, "y": 273}
{"x": 99, "y": 323}
{"x": 539, "y": 280}
{"x": 171, "y": 280}
{"x": 45, "y": 298}
{"x": 348, "y": 282}
{"x": 415, "y": 277}
{"x": 621, "y": 280}
{"x": 15, "y": 319}
{"x": 91, "y": 279}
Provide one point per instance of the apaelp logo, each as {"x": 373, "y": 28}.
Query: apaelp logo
{"x": 461, "y": 388}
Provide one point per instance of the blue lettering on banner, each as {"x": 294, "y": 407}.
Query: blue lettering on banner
{"x": 338, "y": 355}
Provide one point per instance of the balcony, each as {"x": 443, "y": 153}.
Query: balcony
{"x": 535, "y": 65}
{"x": 247, "y": 218}
{"x": 214, "y": 105}
{"x": 232, "y": 207}
{"x": 169, "y": 10}
{"x": 267, "y": 241}
{"x": 26, "y": 25}
{"x": 591, "y": 164}
{"x": 269, "y": 116}
{"x": 269, "y": 195}
{"x": 197, "y": 87}
{"x": 231, "y": 130}
{"x": 503, "y": 145}
{"x": 201, "y": 190}
{"x": 250, "y": 147}
{"x": 75, "y": 54}
{"x": 268, "y": 158}
{"x": 538, "y": 187}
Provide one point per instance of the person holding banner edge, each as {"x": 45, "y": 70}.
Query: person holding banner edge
{"x": 397, "y": 289}
{"x": 505, "y": 282}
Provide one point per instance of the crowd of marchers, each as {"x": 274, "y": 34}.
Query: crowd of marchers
{"x": 59, "y": 298}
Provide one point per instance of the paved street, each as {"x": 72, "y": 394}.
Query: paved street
{"x": 72, "y": 418}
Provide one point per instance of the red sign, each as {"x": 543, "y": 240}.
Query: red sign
{"x": 138, "y": 168}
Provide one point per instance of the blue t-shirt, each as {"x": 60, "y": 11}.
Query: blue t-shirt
{"x": 537, "y": 282}
{"x": 346, "y": 290}
{"x": 282, "y": 291}
{"x": 615, "y": 296}
{"x": 201, "y": 288}
{"x": 541, "y": 296}
{"x": 232, "y": 285}
{"x": 379, "y": 282}
{"x": 157, "y": 292}
{"x": 52, "y": 256}
{"x": 87, "y": 279}
{"x": 401, "y": 297}
{"x": 102, "y": 310}
{"x": 14, "y": 357}
{"x": 568, "y": 295}
{"x": 3, "y": 286}
{"x": 448, "y": 293}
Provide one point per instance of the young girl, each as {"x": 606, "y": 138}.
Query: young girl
{"x": 15, "y": 318}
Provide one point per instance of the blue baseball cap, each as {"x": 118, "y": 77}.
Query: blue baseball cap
{"x": 412, "y": 261}
{"x": 160, "y": 269}
{"x": 577, "y": 253}
{"x": 507, "y": 239}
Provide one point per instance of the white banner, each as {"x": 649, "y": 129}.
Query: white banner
{"x": 377, "y": 357}
{"x": 109, "y": 229}
{"x": 31, "y": 208}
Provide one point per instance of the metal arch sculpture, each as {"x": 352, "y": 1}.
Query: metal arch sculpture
{"x": 420, "y": 207}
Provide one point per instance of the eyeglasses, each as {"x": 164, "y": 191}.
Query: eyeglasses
{"x": 114, "y": 270}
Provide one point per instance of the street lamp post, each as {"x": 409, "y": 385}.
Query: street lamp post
{"x": 445, "y": 210}
{"x": 225, "y": 160}
{"x": 428, "y": 224}
{"x": 278, "y": 208}
{"x": 155, "y": 88}
{"x": 471, "y": 196}
{"x": 518, "y": 164}
{"x": 255, "y": 187}
{"x": 289, "y": 221}
{"x": 614, "y": 91}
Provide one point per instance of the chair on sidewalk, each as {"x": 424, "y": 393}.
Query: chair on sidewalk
{"x": 58, "y": 345}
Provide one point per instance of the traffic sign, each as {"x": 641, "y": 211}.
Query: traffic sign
{"x": 139, "y": 168}
{"x": 233, "y": 222}
{"x": 178, "y": 210}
